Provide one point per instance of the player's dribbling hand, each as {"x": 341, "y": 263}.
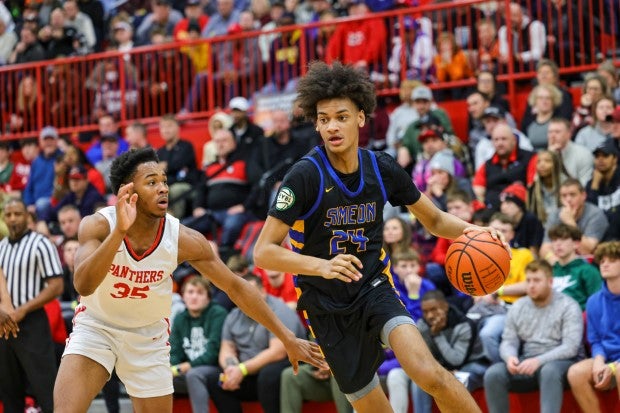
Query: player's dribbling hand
{"x": 307, "y": 351}
{"x": 495, "y": 234}
{"x": 126, "y": 207}
{"x": 344, "y": 267}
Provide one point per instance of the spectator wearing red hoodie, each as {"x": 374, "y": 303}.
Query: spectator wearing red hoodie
{"x": 279, "y": 284}
{"x": 360, "y": 43}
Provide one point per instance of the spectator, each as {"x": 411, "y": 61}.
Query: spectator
{"x": 8, "y": 40}
{"x": 614, "y": 135}
{"x": 491, "y": 117}
{"x": 418, "y": 35}
{"x": 603, "y": 189}
{"x": 264, "y": 40}
{"x": 361, "y": 43}
{"x": 69, "y": 218}
{"x": 6, "y": 166}
{"x": 252, "y": 358}
{"x": 279, "y": 284}
{"x": 222, "y": 199}
{"x": 200, "y": 56}
{"x": 33, "y": 274}
{"x": 163, "y": 17}
{"x": 69, "y": 297}
{"x": 548, "y": 73}
{"x": 433, "y": 142}
{"x": 607, "y": 70}
{"x": 577, "y": 212}
{"x": 310, "y": 383}
{"x": 29, "y": 151}
{"x": 122, "y": 35}
{"x": 442, "y": 179}
{"x": 109, "y": 152}
{"x": 246, "y": 133}
{"x": 24, "y": 116}
{"x": 94, "y": 9}
{"x": 38, "y": 192}
{"x": 492, "y": 326}
{"x": 177, "y": 156}
{"x": 396, "y": 236}
{"x": 543, "y": 99}
{"x": 572, "y": 275}
{"x": 487, "y": 56}
{"x": 571, "y": 47}
{"x": 58, "y": 38}
{"x": 452, "y": 339}
{"x": 536, "y": 355}
{"x": 217, "y": 121}
{"x": 451, "y": 63}
{"x": 284, "y": 57}
{"x": 594, "y": 88}
{"x": 600, "y": 372}
{"x": 135, "y": 135}
{"x": 487, "y": 84}
{"x": 73, "y": 156}
{"x": 104, "y": 83}
{"x": 592, "y": 136}
{"x": 81, "y": 193}
{"x": 509, "y": 164}
{"x": 528, "y": 37}
{"x": 401, "y": 117}
{"x": 193, "y": 13}
{"x": 220, "y": 22}
{"x": 409, "y": 284}
{"x": 477, "y": 103}
{"x": 195, "y": 342}
{"x": 543, "y": 196}
{"x": 577, "y": 160}
{"x": 528, "y": 230}
{"x": 429, "y": 114}
{"x": 108, "y": 127}
{"x": 28, "y": 49}
{"x": 81, "y": 22}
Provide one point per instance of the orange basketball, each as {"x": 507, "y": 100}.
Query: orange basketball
{"x": 477, "y": 264}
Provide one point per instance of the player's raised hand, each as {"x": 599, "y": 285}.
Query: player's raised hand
{"x": 307, "y": 351}
{"x": 344, "y": 267}
{"x": 126, "y": 207}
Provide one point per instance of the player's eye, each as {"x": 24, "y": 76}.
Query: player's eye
{"x": 342, "y": 118}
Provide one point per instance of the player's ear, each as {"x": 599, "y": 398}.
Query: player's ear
{"x": 361, "y": 119}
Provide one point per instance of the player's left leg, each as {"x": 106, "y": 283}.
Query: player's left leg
{"x": 416, "y": 359}
{"x": 161, "y": 404}
{"x": 372, "y": 402}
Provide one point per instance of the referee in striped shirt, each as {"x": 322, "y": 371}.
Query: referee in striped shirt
{"x": 33, "y": 277}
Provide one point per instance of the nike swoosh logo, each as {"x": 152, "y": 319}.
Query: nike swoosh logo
{"x": 329, "y": 189}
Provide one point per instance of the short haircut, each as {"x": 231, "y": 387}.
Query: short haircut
{"x": 124, "y": 167}
{"x": 540, "y": 265}
{"x": 169, "y": 117}
{"x": 563, "y": 231}
{"x": 323, "y": 82}
{"x": 253, "y": 278}
{"x": 237, "y": 263}
{"x": 68, "y": 208}
{"x": 482, "y": 215}
{"x": 434, "y": 295}
{"x": 610, "y": 249}
{"x": 14, "y": 200}
{"x": 198, "y": 281}
{"x": 573, "y": 182}
{"x": 458, "y": 195}
{"x": 563, "y": 121}
{"x": 406, "y": 255}
{"x": 503, "y": 218}
{"x": 138, "y": 126}
{"x": 484, "y": 96}
{"x": 550, "y": 64}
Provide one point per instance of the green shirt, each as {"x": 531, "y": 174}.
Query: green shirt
{"x": 410, "y": 138}
{"x": 578, "y": 279}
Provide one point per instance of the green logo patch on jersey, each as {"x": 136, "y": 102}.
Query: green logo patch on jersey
{"x": 286, "y": 199}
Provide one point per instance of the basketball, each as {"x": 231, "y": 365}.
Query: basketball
{"x": 477, "y": 264}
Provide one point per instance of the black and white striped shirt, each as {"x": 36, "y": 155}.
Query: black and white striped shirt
{"x": 27, "y": 263}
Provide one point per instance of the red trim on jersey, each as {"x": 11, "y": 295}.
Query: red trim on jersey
{"x": 158, "y": 237}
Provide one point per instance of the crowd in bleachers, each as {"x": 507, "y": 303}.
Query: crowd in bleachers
{"x": 548, "y": 181}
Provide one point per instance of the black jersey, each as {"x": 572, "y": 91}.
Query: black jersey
{"x": 331, "y": 213}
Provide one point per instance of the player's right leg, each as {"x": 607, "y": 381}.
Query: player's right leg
{"x": 416, "y": 359}
{"x": 79, "y": 380}
{"x": 582, "y": 386}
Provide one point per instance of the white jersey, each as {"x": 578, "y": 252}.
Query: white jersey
{"x": 137, "y": 290}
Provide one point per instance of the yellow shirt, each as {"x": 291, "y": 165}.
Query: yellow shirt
{"x": 520, "y": 258}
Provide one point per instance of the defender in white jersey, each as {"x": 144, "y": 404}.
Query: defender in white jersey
{"x": 123, "y": 273}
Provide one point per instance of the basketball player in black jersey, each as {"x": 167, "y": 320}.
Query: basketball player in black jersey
{"x": 331, "y": 205}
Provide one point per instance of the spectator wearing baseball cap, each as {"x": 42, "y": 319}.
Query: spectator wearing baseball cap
{"x": 492, "y": 116}
{"x": 247, "y": 133}
{"x": 38, "y": 192}
{"x": 428, "y": 113}
{"x": 432, "y": 142}
{"x": 82, "y": 193}
{"x": 528, "y": 229}
{"x": 604, "y": 188}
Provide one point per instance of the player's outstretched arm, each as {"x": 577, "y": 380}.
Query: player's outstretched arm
{"x": 269, "y": 253}
{"x": 195, "y": 249}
